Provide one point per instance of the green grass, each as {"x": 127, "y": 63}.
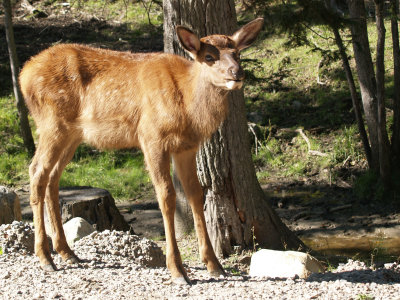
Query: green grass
{"x": 347, "y": 146}
{"x": 13, "y": 157}
{"x": 120, "y": 172}
{"x": 365, "y": 297}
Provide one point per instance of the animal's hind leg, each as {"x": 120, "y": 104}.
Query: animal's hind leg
{"x": 51, "y": 143}
{"x": 53, "y": 205}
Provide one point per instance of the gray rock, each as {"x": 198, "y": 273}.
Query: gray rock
{"x": 10, "y": 208}
{"x": 75, "y": 229}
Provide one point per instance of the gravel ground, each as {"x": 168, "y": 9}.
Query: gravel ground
{"x": 116, "y": 266}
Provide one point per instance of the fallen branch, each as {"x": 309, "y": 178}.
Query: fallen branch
{"x": 256, "y": 141}
{"x": 311, "y": 152}
{"x": 346, "y": 160}
{"x": 342, "y": 207}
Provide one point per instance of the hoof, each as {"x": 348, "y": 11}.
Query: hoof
{"x": 72, "y": 260}
{"x": 181, "y": 281}
{"x": 49, "y": 268}
{"x": 217, "y": 273}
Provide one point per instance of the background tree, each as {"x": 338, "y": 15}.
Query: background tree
{"x": 381, "y": 153}
{"x": 394, "y": 11}
{"x": 22, "y": 110}
{"x": 236, "y": 208}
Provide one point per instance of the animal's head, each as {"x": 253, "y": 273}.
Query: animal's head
{"x": 219, "y": 55}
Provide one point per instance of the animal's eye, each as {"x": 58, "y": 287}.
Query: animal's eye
{"x": 208, "y": 57}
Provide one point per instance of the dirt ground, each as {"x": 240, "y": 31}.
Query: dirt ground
{"x": 328, "y": 219}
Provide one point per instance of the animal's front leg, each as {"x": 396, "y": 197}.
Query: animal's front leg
{"x": 185, "y": 164}
{"x": 158, "y": 163}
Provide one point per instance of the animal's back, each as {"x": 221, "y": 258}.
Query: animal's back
{"x": 63, "y": 75}
{"x": 102, "y": 93}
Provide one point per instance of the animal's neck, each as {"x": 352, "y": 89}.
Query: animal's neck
{"x": 209, "y": 105}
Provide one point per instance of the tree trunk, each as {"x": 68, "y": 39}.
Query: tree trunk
{"x": 396, "y": 100}
{"x": 353, "y": 93}
{"x": 235, "y": 205}
{"x": 366, "y": 75}
{"x": 384, "y": 147}
{"x": 22, "y": 110}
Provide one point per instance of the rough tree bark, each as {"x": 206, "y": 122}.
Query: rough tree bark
{"x": 235, "y": 205}
{"x": 396, "y": 60}
{"x": 22, "y": 110}
{"x": 366, "y": 75}
{"x": 384, "y": 146}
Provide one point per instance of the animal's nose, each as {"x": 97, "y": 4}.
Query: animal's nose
{"x": 236, "y": 73}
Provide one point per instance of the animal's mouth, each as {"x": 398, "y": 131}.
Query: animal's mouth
{"x": 234, "y": 84}
{"x": 235, "y": 80}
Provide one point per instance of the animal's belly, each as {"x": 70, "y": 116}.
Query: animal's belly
{"x": 110, "y": 135}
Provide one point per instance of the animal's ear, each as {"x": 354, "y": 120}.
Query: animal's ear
{"x": 246, "y": 35}
{"x": 188, "y": 40}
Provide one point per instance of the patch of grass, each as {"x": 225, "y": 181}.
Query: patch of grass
{"x": 14, "y": 168}
{"x": 13, "y": 157}
{"x": 287, "y": 156}
{"x": 1, "y": 251}
{"x": 347, "y": 145}
{"x": 365, "y": 297}
{"x": 120, "y": 172}
{"x": 10, "y": 140}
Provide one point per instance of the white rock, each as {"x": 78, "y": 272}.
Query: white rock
{"x": 283, "y": 264}
{"x": 77, "y": 228}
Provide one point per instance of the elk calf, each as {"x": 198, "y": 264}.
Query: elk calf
{"x": 162, "y": 103}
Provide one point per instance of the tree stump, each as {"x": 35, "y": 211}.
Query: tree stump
{"x": 10, "y": 208}
{"x": 95, "y": 205}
